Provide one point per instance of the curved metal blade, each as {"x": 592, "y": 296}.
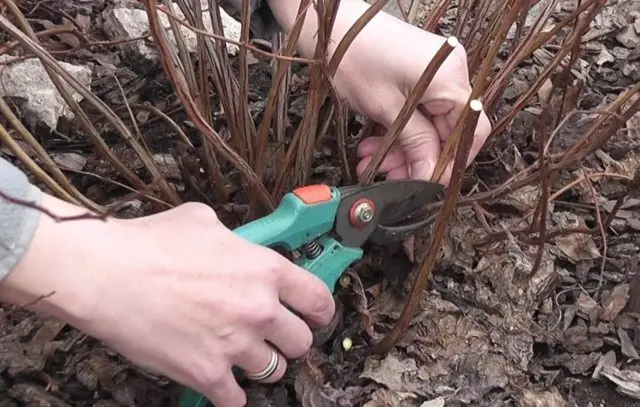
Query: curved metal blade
{"x": 405, "y": 198}
{"x": 394, "y": 201}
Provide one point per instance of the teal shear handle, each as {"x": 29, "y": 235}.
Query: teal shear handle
{"x": 191, "y": 398}
{"x": 302, "y": 220}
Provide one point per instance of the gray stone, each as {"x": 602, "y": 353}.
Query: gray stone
{"x": 123, "y": 22}
{"x": 28, "y": 81}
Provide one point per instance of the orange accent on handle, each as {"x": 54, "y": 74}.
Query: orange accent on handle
{"x": 313, "y": 194}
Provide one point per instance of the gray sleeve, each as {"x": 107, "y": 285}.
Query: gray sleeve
{"x": 262, "y": 23}
{"x": 18, "y": 223}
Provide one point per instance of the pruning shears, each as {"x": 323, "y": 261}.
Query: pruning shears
{"x": 328, "y": 225}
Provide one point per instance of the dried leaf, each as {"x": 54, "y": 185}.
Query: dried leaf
{"x": 545, "y": 90}
{"x": 309, "y": 383}
{"x": 604, "y": 57}
{"x": 437, "y": 402}
{"x": 628, "y": 381}
{"x": 581, "y": 364}
{"x": 628, "y": 37}
{"x": 69, "y": 39}
{"x": 578, "y": 247}
{"x": 360, "y": 302}
{"x": 393, "y": 371}
{"x": 32, "y": 395}
{"x": 99, "y": 368}
{"x": 608, "y": 359}
{"x": 387, "y": 398}
{"x": 542, "y": 399}
{"x": 167, "y": 165}
{"x": 588, "y": 307}
{"x": 615, "y": 303}
{"x": 523, "y": 200}
{"x": 72, "y": 161}
{"x": 626, "y": 345}
{"x": 33, "y": 355}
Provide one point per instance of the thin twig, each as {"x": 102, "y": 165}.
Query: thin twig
{"x": 50, "y": 214}
{"x": 28, "y": 304}
{"x": 467, "y": 124}
{"x": 632, "y": 186}
{"x": 603, "y": 234}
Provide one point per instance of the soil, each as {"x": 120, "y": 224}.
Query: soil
{"x": 491, "y": 330}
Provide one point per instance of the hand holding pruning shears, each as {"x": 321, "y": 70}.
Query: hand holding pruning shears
{"x": 375, "y": 76}
{"x": 328, "y": 226}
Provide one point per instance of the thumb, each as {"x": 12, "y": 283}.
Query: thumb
{"x": 421, "y": 145}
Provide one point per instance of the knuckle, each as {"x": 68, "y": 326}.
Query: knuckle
{"x": 263, "y": 312}
{"x": 276, "y": 267}
{"x": 211, "y": 373}
{"x": 199, "y": 211}
{"x": 237, "y": 345}
{"x": 214, "y": 377}
{"x": 323, "y": 306}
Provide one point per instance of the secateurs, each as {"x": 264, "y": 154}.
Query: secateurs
{"x": 328, "y": 225}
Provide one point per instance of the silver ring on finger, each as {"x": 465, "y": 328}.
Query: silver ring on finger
{"x": 268, "y": 371}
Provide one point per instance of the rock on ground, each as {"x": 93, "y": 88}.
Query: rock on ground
{"x": 128, "y": 23}
{"x": 27, "y": 80}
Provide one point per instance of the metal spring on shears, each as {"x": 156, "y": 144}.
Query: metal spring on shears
{"x": 313, "y": 249}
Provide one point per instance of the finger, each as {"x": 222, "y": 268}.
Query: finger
{"x": 420, "y": 142}
{"x": 306, "y": 294}
{"x": 290, "y": 334}
{"x": 394, "y": 159}
{"x": 385, "y": 168}
{"x": 482, "y": 131}
{"x": 399, "y": 173}
{"x": 370, "y": 146}
{"x": 225, "y": 392}
{"x": 443, "y": 128}
{"x": 258, "y": 357}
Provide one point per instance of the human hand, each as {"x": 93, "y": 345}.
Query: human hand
{"x": 177, "y": 293}
{"x": 376, "y": 75}
{"x": 207, "y": 301}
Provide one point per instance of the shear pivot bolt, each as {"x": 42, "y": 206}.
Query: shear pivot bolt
{"x": 362, "y": 212}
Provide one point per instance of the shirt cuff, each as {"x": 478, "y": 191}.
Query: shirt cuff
{"x": 18, "y": 223}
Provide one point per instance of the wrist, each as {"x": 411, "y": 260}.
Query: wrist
{"x": 66, "y": 264}
{"x": 286, "y": 12}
